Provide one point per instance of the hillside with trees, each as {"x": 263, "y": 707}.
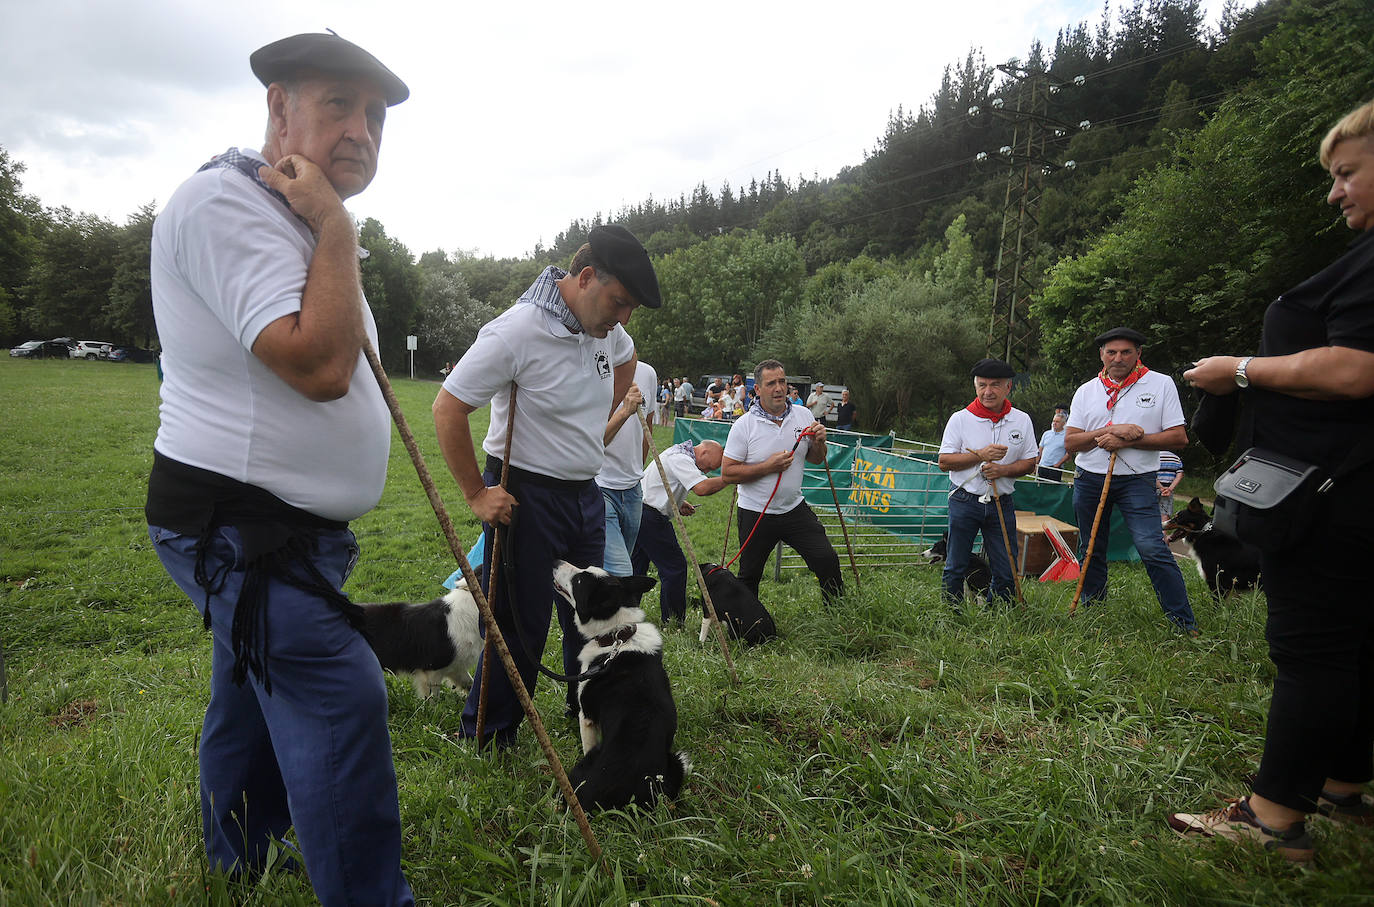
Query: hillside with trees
{"x": 1192, "y": 198}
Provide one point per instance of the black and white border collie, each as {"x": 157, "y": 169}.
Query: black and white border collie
{"x": 627, "y": 714}
{"x": 743, "y": 614}
{"x": 1225, "y": 563}
{"x": 435, "y": 642}
{"x": 978, "y": 576}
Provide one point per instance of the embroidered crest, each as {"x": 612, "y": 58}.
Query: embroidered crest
{"x": 603, "y": 364}
{"x": 1145, "y": 401}
{"x": 1015, "y": 436}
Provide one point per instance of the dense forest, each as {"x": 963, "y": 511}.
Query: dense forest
{"x": 1151, "y": 170}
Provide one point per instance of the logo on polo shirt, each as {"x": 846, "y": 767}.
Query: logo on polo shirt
{"x": 1145, "y": 401}
{"x": 603, "y": 364}
{"x": 1015, "y": 436}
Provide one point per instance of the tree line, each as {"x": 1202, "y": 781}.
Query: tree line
{"x": 1194, "y": 200}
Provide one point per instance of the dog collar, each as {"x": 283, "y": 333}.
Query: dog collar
{"x": 619, "y": 635}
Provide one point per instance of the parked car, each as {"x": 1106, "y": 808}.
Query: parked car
{"x": 92, "y": 349}
{"x": 43, "y": 349}
{"x": 132, "y": 354}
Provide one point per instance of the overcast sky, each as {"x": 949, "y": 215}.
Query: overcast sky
{"x": 522, "y": 116}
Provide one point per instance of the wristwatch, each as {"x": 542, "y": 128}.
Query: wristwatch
{"x": 1242, "y": 379}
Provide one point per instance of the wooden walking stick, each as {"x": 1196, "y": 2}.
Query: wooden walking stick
{"x": 475, "y": 587}
{"x": 492, "y": 574}
{"x": 1002, "y": 521}
{"x": 691, "y": 552}
{"x": 1092, "y": 535}
{"x": 843, "y": 528}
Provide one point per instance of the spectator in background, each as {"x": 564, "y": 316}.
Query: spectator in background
{"x": 793, "y": 397}
{"x": 819, "y": 402}
{"x": 1166, "y": 480}
{"x": 665, "y": 399}
{"x": 680, "y": 398}
{"x": 687, "y": 391}
{"x": 846, "y": 413}
{"x": 1053, "y": 456}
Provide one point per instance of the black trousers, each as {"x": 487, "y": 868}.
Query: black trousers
{"x": 1321, "y": 640}
{"x": 657, "y": 543}
{"x": 800, "y": 529}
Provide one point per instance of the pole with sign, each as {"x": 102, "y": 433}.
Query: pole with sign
{"x": 412, "y": 344}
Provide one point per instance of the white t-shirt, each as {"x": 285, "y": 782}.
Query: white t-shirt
{"x": 227, "y": 260}
{"x": 682, "y": 474}
{"x": 753, "y": 439}
{"x": 1152, "y": 403}
{"x": 566, "y": 383}
{"x": 965, "y": 431}
{"x": 624, "y": 463}
{"x": 819, "y": 404}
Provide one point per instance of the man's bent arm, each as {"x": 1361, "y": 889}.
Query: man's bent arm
{"x": 491, "y": 505}
{"x": 733, "y": 471}
{"x": 316, "y": 349}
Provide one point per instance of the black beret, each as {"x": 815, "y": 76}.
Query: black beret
{"x": 992, "y": 368}
{"x": 327, "y": 53}
{"x": 1121, "y": 334}
{"x": 627, "y": 261}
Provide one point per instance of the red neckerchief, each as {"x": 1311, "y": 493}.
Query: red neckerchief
{"x": 982, "y": 412}
{"x": 1115, "y": 388}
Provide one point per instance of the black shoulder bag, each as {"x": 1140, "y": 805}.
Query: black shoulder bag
{"x": 1270, "y": 500}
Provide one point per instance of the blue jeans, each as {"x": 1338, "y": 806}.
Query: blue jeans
{"x": 623, "y": 507}
{"x": 315, "y": 752}
{"x": 967, "y": 517}
{"x": 1135, "y": 496}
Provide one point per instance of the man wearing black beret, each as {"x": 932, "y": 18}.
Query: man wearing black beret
{"x": 273, "y": 435}
{"x": 986, "y": 445}
{"x": 1134, "y": 413}
{"x": 563, "y": 344}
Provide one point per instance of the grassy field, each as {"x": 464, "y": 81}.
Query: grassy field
{"x": 892, "y": 752}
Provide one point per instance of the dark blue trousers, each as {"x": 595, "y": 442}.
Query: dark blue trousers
{"x": 969, "y": 516}
{"x": 552, "y": 524}
{"x": 315, "y": 753}
{"x": 657, "y": 543}
{"x": 1135, "y": 497}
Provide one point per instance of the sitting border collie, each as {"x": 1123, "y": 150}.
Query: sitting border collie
{"x": 1225, "y": 563}
{"x": 433, "y": 642}
{"x": 978, "y": 576}
{"x": 628, "y": 717}
{"x": 739, "y": 609}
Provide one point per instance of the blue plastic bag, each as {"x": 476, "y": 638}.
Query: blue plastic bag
{"x": 476, "y": 557}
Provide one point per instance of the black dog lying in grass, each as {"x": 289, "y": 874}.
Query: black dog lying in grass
{"x": 743, "y": 614}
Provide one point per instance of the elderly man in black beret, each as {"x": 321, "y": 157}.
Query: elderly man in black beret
{"x": 1133, "y": 412}
{"x": 986, "y": 445}
{"x": 564, "y": 345}
{"x": 273, "y": 435}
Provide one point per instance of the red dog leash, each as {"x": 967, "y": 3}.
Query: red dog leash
{"x": 776, "y": 486}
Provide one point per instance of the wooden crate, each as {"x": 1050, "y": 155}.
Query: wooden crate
{"x": 1034, "y": 552}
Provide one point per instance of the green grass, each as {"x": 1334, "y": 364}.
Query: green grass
{"x": 890, "y": 753}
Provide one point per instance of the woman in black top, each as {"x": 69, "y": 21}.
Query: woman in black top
{"x": 1311, "y": 389}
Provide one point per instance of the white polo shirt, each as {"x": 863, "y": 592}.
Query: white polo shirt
{"x": 753, "y": 439}
{"x": 624, "y": 463}
{"x": 965, "y": 431}
{"x": 227, "y": 260}
{"x": 566, "y": 385}
{"x": 682, "y": 474}
{"x": 1152, "y": 403}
